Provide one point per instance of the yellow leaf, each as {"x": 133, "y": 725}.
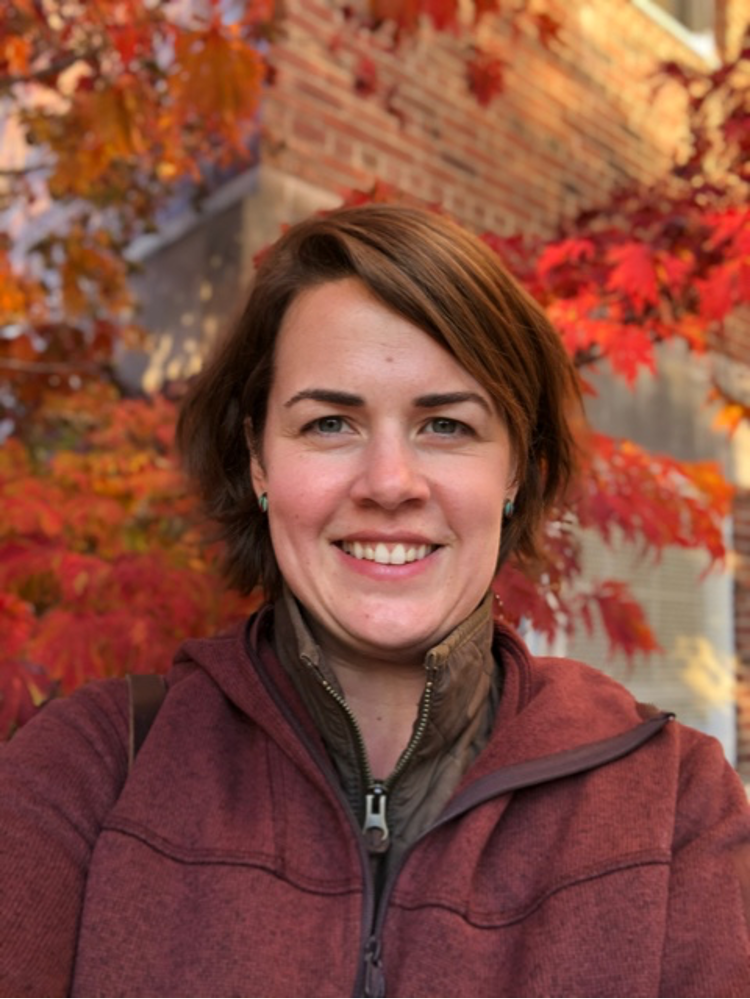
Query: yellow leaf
{"x": 730, "y": 416}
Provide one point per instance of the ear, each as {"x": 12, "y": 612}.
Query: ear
{"x": 257, "y": 472}
{"x": 512, "y": 485}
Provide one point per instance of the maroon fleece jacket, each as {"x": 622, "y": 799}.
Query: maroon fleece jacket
{"x": 593, "y": 849}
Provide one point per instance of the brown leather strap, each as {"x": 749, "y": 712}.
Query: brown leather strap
{"x": 147, "y": 692}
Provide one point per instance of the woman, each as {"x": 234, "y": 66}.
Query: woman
{"x": 369, "y": 789}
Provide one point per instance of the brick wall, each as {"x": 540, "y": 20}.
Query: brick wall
{"x": 573, "y": 121}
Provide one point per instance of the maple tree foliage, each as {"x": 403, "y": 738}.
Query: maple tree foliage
{"x": 111, "y": 110}
{"x": 118, "y": 105}
{"x": 103, "y": 569}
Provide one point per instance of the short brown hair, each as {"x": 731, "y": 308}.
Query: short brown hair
{"x": 440, "y": 278}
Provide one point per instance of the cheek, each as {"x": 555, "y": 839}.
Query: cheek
{"x": 301, "y": 500}
{"x": 483, "y": 517}
{"x": 481, "y": 497}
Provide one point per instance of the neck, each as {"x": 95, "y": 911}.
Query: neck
{"x": 384, "y": 698}
{"x": 384, "y": 693}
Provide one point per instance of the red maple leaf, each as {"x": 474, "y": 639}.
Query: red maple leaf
{"x": 442, "y": 13}
{"x": 483, "y": 7}
{"x": 633, "y": 274}
{"x": 17, "y": 619}
{"x": 519, "y": 598}
{"x": 484, "y": 73}
{"x": 628, "y": 347}
{"x": 23, "y": 689}
{"x": 564, "y": 252}
{"x": 403, "y": 13}
{"x": 623, "y": 619}
{"x": 730, "y": 226}
{"x": 677, "y": 270}
{"x": 715, "y": 293}
{"x": 743, "y": 281}
{"x": 547, "y": 27}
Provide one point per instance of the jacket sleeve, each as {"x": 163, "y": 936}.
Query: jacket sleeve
{"x": 707, "y": 944}
{"x": 59, "y": 777}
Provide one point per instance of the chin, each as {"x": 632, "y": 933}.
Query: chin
{"x": 393, "y": 642}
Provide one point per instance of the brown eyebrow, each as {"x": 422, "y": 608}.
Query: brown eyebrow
{"x": 327, "y": 395}
{"x": 438, "y": 399}
{"x": 434, "y": 400}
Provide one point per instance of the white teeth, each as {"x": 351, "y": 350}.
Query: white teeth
{"x": 398, "y": 554}
{"x": 382, "y": 555}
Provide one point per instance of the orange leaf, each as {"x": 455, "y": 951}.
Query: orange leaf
{"x": 16, "y": 53}
{"x": 730, "y": 417}
{"x": 216, "y": 76}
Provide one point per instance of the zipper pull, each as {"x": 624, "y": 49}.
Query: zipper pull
{"x": 375, "y": 827}
{"x": 374, "y": 977}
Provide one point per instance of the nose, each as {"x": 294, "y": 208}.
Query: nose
{"x": 390, "y": 474}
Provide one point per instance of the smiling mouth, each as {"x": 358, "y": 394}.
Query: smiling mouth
{"x": 398, "y": 554}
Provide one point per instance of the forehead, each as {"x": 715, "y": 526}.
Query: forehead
{"x": 341, "y": 329}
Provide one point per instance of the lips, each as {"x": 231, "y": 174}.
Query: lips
{"x": 387, "y": 554}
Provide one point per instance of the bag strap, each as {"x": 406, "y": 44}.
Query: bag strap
{"x": 146, "y": 693}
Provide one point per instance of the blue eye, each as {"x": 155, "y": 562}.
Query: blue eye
{"x": 328, "y": 425}
{"x": 446, "y": 427}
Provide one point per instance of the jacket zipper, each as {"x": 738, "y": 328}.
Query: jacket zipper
{"x": 512, "y": 778}
{"x": 375, "y": 825}
{"x": 370, "y": 979}
{"x": 375, "y": 829}
{"x": 373, "y": 978}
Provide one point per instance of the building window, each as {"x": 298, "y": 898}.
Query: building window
{"x": 693, "y": 22}
{"x": 695, "y": 15}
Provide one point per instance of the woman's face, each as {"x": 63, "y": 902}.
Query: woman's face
{"x": 386, "y": 468}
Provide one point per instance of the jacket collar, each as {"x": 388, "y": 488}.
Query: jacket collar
{"x": 462, "y": 666}
{"x": 548, "y": 706}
